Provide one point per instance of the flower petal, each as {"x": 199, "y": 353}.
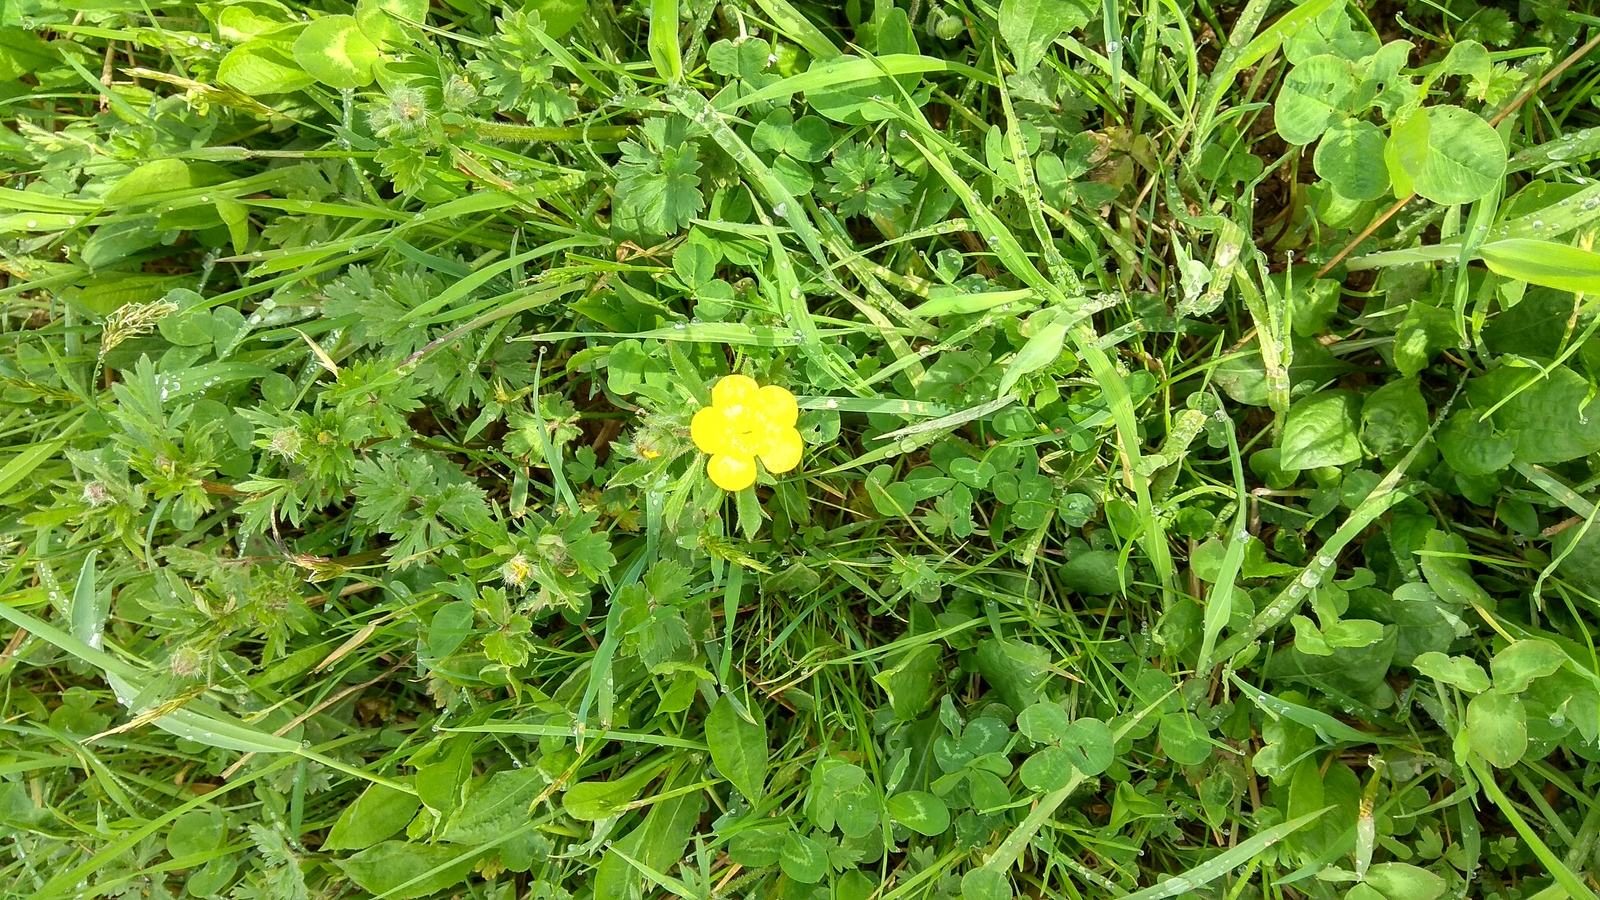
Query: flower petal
{"x": 736, "y": 390}
{"x": 731, "y": 473}
{"x": 709, "y": 428}
{"x": 783, "y": 450}
{"x": 778, "y": 405}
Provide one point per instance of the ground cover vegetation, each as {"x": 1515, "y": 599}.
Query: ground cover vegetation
{"x": 1194, "y": 493}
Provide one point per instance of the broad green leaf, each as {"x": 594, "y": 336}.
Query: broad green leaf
{"x": 658, "y": 841}
{"x": 374, "y": 816}
{"x": 450, "y": 628}
{"x": 384, "y": 868}
{"x": 738, "y": 747}
{"x": 590, "y": 801}
{"x": 1545, "y": 263}
{"x": 499, "y": 803}
{"x": 803, "y": 859}
{"x": 1017, "y": 669}
{"x": 383, "y": 29}
{"x": 1041, "y": 350}
{"x": 1048, "y": 769}
{"x": 1497, "y": 728}
{"x": 1183, "y": 739}
{"x": 262, "y": 67}
{"x": 1446, "y": 154}
{"x": 1363, "y": 892}
{"x": 1347, "y": 158}
{"x": 158, "y": 177}
{"x": 985, "y": 884}
{"x": 910, "y": 681}
{"x": 1312, "y": 98}
{"x": 557, "y": 16}
{"x": 1089, "y": 745}
{"x": 1520, "y": 663}
{"x": 920, "y": 811}
{"x": 1545, "y": 421}
{"x": 333, "y": 50}
{"x": 1457, "y": 671}
{"x": 1399, "y": 881}
{"x": 1321, "y": 431}
{"x": 1394, "y": 417}
{"x": 196, "y": 832}
{"x": 1472, "y": 446}
{"x": 1043, "y": 722}
{"x": 760, "y": 846}
{"x": 1029, "y": 27}
{"x": 1092, "y": 572}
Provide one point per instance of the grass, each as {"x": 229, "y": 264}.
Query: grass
{"x": 1197, "y": 495}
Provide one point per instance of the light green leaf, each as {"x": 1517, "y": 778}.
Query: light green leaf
{"x": 384, "y": 868}
{"x": 1321, "y": 431}
{"x": 158, "y": 177}
{"x": 262, "y": 67}
{"x": 450, "y": 628}
{"x": 1457, "y": 671}
{"x": 557, "y": 16}
{"x": 1347, "y": 157}
{"x": 383, "y": 29}
{"x": 920, "y": 811}
{"x": 1497, "y": 728}
{"x": 1029, "y": 27}
{"x": 500, "y": 803}
{"x": 1041, "y": 350}
{"x": 1043, "y": 722}
{"x": 985, "y": 884}
{"x": 1090, "y": 745}
{"x": 1522, "y": 662}
{"x": 1312, "y": 98}
{"x": 374, "y": 816}
{"x": 333, "y": 50}
{"x": 1398, "y": 881}
{"x": 803, "y": 859}
{"x": 196, "y": 832}
{"x": 1048, "y": 769}
{"x": 1545, "y": 263}
{"x": 1446, "y": 154}
{"x": 738, "y": 747}
{"x": 1394, "y": 417}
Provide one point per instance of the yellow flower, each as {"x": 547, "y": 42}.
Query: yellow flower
{"x": 743, "y": 422}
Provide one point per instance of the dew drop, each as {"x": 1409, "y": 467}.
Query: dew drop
{"x": 832, "y": 403}
{"x": 781, "y": 210}
{"x": 33, "y": 223}
{"x": 1114, "y": 47}
{"x": 678, "y": 326}
{"x": 1326, "y": 561}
